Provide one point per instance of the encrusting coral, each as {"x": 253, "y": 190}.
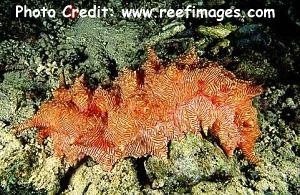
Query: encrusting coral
{"x": 146, "y": 108}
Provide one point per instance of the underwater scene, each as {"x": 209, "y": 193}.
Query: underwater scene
{"x": 149, "y": 97}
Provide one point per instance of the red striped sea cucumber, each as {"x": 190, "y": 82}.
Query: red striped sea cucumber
{"x": 147, "y": 108}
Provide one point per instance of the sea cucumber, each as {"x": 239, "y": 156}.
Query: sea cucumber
{"x": 147, "y": 108}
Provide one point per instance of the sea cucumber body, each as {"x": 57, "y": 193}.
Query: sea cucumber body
{"x": 147, "y": 108}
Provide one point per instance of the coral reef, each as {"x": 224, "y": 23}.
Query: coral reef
{"x": 34, "y": 51}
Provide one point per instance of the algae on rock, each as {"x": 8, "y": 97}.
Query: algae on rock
{"x": 107, "y": 48}
{"x": 21, "y": 161}
{"x": 93, "y": 180}
{"x": 220, "y": 31}
{"x": 192, "y": 160}
{"x": 279, "y": 170}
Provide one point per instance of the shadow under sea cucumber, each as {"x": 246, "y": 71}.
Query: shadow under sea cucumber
{"x": 147, "y": 108}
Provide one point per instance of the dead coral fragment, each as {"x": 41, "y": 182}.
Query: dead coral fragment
{"x": 146, "y": 109}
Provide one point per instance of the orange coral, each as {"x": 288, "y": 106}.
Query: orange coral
{"x": 145, "y": 109}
